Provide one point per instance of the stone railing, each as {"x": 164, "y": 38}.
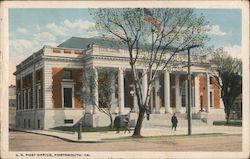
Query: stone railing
{"x": 66, "y": 51}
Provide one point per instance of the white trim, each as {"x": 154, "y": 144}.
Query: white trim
{"x": 68, "y": 85}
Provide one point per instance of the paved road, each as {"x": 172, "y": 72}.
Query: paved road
{"x": 21, "y": 141}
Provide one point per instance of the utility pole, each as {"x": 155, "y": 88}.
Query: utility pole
{"x": 189, "y": 90}
{"x": 189, "y": 94}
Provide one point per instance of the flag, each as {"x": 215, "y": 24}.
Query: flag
{"x": 149, "y": 18}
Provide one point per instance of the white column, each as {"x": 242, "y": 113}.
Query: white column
{"x": 34, "y": 89}
{"x": 144, "y": 85}
{"x": 120, "y": 90}
{"x": 152, "y": 99}
{"x": 96, "y": 95}
{"x": 29, "y": 104}
{"x": 177, "y": 93}
{"x": 47, "y": 85}
{"x": 24, "y": 101}
{"x": 207, "y": 92}
{"x": 34, "y": 96}
{"x": 197, "y": 93}
{"x": 135, "y": 102}
{"x": 167, "y": 92}
{"x": 38, "y": 96}
{"x": 18, "y": 101}
{"x": 21, "y": 93}
{"x": 87, "y": 105}
{"x": 113, "y": 99}
{"x": 157, "y": 98}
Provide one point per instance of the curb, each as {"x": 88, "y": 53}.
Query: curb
{"x": 58, "y": 137}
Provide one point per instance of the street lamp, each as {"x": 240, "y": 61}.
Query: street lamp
{"x": 189, "y": 89}
{"x": 189, "y": 85}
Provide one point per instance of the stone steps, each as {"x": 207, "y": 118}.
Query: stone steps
{"x": 164, "y": 120}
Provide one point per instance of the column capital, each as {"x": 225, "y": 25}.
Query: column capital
{"x": 166, "y": 71}
{"x": 121, "y": 68}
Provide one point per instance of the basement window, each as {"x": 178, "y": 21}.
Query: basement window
{"x": 68, "y": 121}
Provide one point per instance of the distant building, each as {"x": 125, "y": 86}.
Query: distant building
{"x": 48, "y": 85}
{"x": 12, "y": 106}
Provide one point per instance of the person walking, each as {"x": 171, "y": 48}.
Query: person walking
{"x": 126, "y": 122}
{"x": 174, "y": 121}
{"x": 117, "y": 123}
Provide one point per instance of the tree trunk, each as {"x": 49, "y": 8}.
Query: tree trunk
{"x": 137, "y": 131}
{"x": 228, "y": 116}
{"x": 111, "y": 121}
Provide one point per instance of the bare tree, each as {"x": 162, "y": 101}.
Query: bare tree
{"x": 152, "y": 37}
{"x": 229, "y": 71}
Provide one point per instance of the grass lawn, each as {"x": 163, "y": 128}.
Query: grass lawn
{"x": 86, "y": 129}
{"x": 231, "y": 123}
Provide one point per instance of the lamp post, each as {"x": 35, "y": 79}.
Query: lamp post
{"x": 189, "y": 89}
{"x": 189, "y": 94}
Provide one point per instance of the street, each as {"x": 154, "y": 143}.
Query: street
{"x": 21, "y": 141}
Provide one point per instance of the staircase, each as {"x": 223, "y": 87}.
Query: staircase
{"x": 164, "y": 120}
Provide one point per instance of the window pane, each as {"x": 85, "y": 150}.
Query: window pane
{"x": 67, "y": 74}
{"x": 68, "y": 97}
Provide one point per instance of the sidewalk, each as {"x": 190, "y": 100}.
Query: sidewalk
{"x": 97, "y": 137}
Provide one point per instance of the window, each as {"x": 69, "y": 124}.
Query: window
{"x": 38, "y": 124}
{"x": 23, "y": 99}
{"x": 183, "y": 95}
{"x": 211, "y": 99}
{"x": 67, "y": 74}
{"x": 210, "y": 80}
{"x": 38, "y": 75}
{"x": 24, "y": 123}
{"x": 38, "y": 97}
{"x": 67, "y": 101}
{"x": 68, "y": 121}
{"x": 30, "y": 99}
{"x": 26, "y": 100}
{"x": 67, "y": 94}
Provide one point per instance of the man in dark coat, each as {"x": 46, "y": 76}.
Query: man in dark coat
{"x": 174, "y": 122}
{"x": 126, "y": 123}
{"x": 117, "y": 123}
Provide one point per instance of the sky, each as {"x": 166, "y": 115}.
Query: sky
{"x": 31, "y": 29}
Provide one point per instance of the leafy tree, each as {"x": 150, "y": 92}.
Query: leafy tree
{"x": 152, "y": 38}
{"x": 229, "y": 70}
{"x": 104, "y": 85}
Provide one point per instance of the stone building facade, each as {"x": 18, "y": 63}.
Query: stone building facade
{"x": 49, "y": 84}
